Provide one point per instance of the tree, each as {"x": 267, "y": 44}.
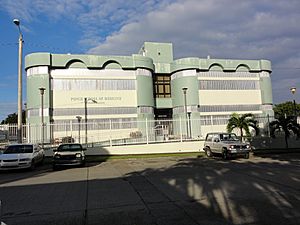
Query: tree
{"x": 286, "y": 124}
{"x": 286, "y": 109}
{"x": 13, "y": 118}
{"x": 243, "y": 122}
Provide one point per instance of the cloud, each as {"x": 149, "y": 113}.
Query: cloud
{"x": 29, "y": 10}
{"x": 96, "y": 18}
{"x": 248, "y": 30}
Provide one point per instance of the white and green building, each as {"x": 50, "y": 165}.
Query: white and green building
{"x": 148, "y": 86}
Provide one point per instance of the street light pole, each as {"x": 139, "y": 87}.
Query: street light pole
{"x": 293, "y": 91}
{"x": 85, "y": 118}
{"x": 79, "y": 119}
{"x": 185, "y": 110}
{"x": 42, "y": 91}
{"x": 17, "y": 22}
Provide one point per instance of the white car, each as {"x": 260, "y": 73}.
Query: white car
{"x": 20, "y": 156}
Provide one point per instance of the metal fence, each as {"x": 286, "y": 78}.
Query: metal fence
{"x": 114, "y": 132}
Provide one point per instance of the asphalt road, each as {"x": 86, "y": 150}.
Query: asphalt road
{"x": 157, "y": 191}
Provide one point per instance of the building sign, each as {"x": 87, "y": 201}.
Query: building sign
{"x": 108, "y": 99}
{"x": 99, "y": 100}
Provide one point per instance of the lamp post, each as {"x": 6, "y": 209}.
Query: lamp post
{"x": 184, "y": 89}
{"x": 293, "y": 91}
{"x": 79, "y": 119}
{"x": 42, "y": 91}
{"x": 17, "y": 22}
{"x": 85, "y": 117}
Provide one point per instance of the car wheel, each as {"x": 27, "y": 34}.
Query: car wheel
{"x": 224, "y": 155}
{"x": 42, "y": 161}
{"x": 54, "y": 167}
{"x": 32, "y": 165}
{"x": 208, "y": 152}
{"x": 246, "y": 156}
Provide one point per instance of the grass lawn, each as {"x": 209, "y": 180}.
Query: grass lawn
{"x": 101, "y": 158}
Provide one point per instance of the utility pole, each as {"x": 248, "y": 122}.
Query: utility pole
{"x": 19, "y": 129}
{"x": 42, "y": 91}
{"x": 185, "y": 110}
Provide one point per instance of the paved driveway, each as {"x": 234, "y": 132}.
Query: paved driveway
{"x": 158, "y": 191}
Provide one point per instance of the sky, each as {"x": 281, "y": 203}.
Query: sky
{"x": 230, "y": 29}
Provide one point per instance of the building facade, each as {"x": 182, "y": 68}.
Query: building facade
{"x": 117, "y": 92}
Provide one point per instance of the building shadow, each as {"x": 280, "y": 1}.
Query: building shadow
{"x": 180, "y": 192}
{"x": 8, "y": 176}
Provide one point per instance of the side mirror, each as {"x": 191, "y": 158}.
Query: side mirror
{"x": 84, "y": 149}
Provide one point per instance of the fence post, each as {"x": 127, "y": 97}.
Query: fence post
{"x": 66, "y": 130}
{"x": 28, "y": 133}
{"x": 269, "y": 134}
{"x": 110, "y": 127}
{"x": 7, "y": 128}
{"x": 71, "y": 128}
{"x": 180, "y": 129}
{"x": 147, "y": 135}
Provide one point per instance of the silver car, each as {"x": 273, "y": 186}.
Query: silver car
{"x": 225, "y": 144}
{"x": 21, "y": 156}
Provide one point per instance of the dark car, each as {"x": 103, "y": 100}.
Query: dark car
{"x": 68, "y": 155}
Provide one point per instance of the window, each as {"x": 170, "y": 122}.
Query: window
{"x": 81, "y": 85}
{"x": 228, "y": 108}
{"x": 227, "y": 74}
{"x": 229, "y": 85}
{"x": 162, "y": 87}
{"x": 209, "y": 137}
{"x": 37, "y": 70}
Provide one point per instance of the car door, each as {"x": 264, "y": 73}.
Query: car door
{"x": 37, "y": 154}
{"x": 217, "y": 147}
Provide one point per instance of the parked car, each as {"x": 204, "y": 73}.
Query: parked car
{"x": 225, "y": 144}
{"x": 20, "y": 156}
{"x": 68, "y": 155}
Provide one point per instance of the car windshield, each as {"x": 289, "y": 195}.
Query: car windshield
{"x": 228, "y": 137}
{"x": 15, "y": 149}
{"x": 72, "y": 147}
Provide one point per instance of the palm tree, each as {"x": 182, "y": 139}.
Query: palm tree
{"x": 243, "y": 122}
{"x": 287, "y": 125}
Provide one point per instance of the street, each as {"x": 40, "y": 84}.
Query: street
{"x": 157, "y": 191}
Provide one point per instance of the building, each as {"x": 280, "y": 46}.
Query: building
{"x": 117, "y": 94}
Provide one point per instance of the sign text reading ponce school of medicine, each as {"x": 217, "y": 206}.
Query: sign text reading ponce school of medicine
{"x": 106, "y": 98}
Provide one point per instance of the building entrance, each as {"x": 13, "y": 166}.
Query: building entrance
{"x": 163, "y": 114}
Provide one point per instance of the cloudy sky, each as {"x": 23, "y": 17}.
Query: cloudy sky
{"x": 248, "y": 29}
